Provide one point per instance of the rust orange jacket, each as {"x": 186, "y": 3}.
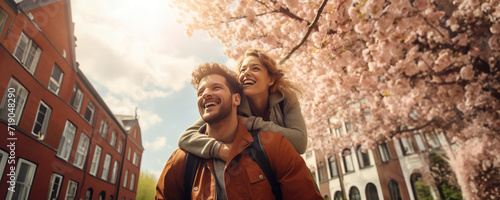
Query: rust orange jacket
{"x": 242, "y": 176}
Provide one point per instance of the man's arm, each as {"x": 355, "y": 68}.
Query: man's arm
{"x": 169, "y": 184}
{"x": 289, "y": 168}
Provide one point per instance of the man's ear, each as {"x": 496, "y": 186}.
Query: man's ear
{"x": 236, "y": 99}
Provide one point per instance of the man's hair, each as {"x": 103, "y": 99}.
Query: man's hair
{"x": 214, "y": 68}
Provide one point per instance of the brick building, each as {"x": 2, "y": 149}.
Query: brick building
{"x": 393, "y": 170}
{"x": 58, "y": 138}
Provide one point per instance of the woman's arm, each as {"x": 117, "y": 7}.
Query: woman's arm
{"x": 294, "y": 126}
{"x": 197, "y": 143}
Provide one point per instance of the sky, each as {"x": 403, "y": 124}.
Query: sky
{"x": 136, "y": 55}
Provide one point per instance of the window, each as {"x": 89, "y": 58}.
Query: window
{"x": 88, "y": 194}
{"x": 132, "y": 181}
{"x": 394, "y": 190}
{"x": 347, "y": 158}
{"x": 364, "y": 159}
{"x": 81, "y": 151}
{"x": 55, "y": 186}
{"x": 432, "y": 139}
{"x": 103, "y": 130}
{"x": 333, "y": 167}
{"x": 66, "y": 143}
{"x": 115, "y": 171}
{"x": 77, "y": 98}
{"x": 125, "y": 177}
{"x": 27, "y": 52}
{"x": 420, "y": 142}
{"x": 13, "y": 91}
{"x": 3, "y": 19}
{"x": 120, "y": 146}
{"x": 347, "y": 127}
{"x": 105, "y": 167}
{"x": 3, "y": 161}
{"x": 56, "y": 79}
{"x": 371, "y": 192}
{"x": 72, "y": 188}
{"x": 406, "y": 145}
{"x": 354, "y": 193}
{"x": 89, "y": 113}
{"x": 384, "y": 152}
{"x": 136, "y": 159}
{"x": 322, "y": 173}
{"x": 23, "y": 183}
{"x": 338, "y": 132}
{"x": 129, "y": 151}
{"x": 338, "y": 196}
{"x": 112, "y": 141}
{"x": 41, "y": 120}
{"x": 102, "y": 195}
{"x": 135, "y": 133}
{"x": 95, "y": 160}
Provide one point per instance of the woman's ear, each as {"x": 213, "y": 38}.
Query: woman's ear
{"x": 271, "y": 81}
{"x": 236, "y": 99}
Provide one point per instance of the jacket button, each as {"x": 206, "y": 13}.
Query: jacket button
{"x": 195, "y": 188}
{"x": 260, "y": 176}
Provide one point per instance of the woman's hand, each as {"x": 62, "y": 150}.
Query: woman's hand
{"x": 242, "y": 119}
{"x": 224, "y": 152}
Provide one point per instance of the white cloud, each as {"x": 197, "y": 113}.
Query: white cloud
{"x": 158, "y": 144}
{"x": 123, "y": 106}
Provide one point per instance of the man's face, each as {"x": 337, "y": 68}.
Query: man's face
{"x": 214, "y": 98}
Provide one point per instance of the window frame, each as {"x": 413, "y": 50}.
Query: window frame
{"x": 20, "y": 91}
{"x": 125, "y": 179}
{"x": 406, "y": 145}
{"x": 112, "y": 139}
{"x": 105, "y": 167}
{"x": 91, "y": 108}
{"x": 67, "y": 141}
{"x": 45, "y": 122}
{"x": 136, "y": 159}
{"x": 120, "y": 146}
{"x": 132, "y": 182}
{"x": 3, "y": 161}
{"x": 345, "y": 158}
{"x": 51, "y": 186}
{"x": 77, "y": 98}
{"x": 95, "y": 161}
{"x": 54, "y": 82}
{"x": 332, "y": 163}
{"x": 28, "y": 63}
{"x": 363, "y": 158}
{"x": 69, "y": 190}
{"x": 3, "y": 19}
{"x": 385, "y": 154}
{"x": 103, "y": 129}
{"x": 29, "y": 183}
{"x": 82, "y": 150}
{"x": 115, "y": 171}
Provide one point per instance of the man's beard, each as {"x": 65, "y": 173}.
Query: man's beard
{"x": 224, "y": 111}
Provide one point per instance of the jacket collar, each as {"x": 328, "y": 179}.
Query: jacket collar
{"x": 242, "y": 140}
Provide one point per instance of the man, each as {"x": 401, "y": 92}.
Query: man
{"x": 240, "y": 178}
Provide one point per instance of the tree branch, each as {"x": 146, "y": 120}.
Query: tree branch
{"x": 309, "y": 30}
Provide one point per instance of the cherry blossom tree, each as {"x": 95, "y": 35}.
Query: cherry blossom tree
{"x": 389, "y": 67}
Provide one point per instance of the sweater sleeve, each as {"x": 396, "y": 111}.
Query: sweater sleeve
{"x": 294, "y": 130}
{"x": 194, "y": 142}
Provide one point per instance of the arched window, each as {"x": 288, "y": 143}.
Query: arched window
{"x": 371, "y": 192}
{"x": 88, "y": 194}
{"x": 347, "y": 158}
{"x": 420, "y": 191}
{"x": 394, "y": 190}
{"x": 354, "y": 193}
{"x": 364, "y": 160}
{"x": 338, "y": 196}
{"x": 102, "y": 195}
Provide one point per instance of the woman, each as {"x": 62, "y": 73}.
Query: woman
{"x": 269, "y": 104}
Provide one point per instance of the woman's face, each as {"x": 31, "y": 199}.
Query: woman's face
{"x": 254, "y": 77}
